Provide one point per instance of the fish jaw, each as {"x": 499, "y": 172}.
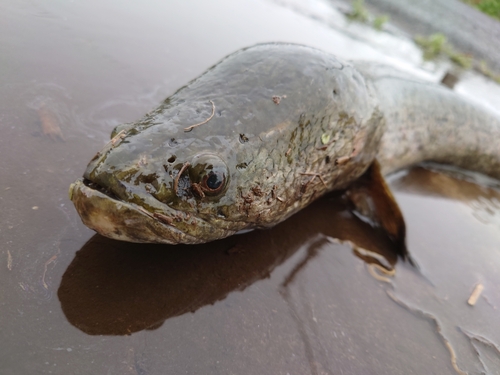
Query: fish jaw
{"x": 126, "y": 221}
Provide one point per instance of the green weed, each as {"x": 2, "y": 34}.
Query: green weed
{"x": 485, "y": 70}
{"x": 380, "y": 21}
{"x": 490, "y": 7}
{"x": 359, "y": 12}
{"x": 436, "y": 45}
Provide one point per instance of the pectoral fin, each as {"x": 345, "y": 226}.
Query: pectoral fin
{"x": 373, "y": 200}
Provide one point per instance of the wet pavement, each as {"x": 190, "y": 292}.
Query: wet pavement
{"x": 290, "y": 300}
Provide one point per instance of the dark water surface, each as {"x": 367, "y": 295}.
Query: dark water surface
{"x": 290, "y": 300}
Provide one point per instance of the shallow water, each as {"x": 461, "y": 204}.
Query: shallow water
{"x": 290, "y": 300}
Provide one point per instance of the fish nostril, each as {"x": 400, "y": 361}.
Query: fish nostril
{"x": 171, "y": 159}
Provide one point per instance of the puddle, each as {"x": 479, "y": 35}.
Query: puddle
{"x": 290, "y": 300}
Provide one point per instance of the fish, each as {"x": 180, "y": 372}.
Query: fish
{"x": 266, "y": 131}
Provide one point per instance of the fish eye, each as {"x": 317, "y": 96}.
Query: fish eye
{"x": 213, "y": 182}
{"x": 209, "y": 175}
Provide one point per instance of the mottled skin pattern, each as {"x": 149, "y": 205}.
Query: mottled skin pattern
{"x": 427, "y": 122}
{"x": 288, "y": 123}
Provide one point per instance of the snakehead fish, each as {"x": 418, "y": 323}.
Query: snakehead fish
{"x": 262, "y": 134}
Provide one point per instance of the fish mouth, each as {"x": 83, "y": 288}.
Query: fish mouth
{"x": 112, "y": 217}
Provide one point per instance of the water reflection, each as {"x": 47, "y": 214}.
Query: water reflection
{"x": 117, "y": 288}
{"x": 480, "y": 193}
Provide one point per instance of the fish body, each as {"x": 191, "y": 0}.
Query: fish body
{"x": 429, "y": 122}
{"x": 261, "y": 135}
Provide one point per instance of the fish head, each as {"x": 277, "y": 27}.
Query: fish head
{"x": 231, "y": 151}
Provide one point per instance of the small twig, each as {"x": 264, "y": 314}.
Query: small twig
{"x": 314, "y": 176}
{"x": 145, "y": 212}
{"x": 189, "y": 128}
{"x": 164, "y": 219}
{"x": 176, "y": 180}
{"x": 116, "y": 138}
{"x": 342, "y": 160}
{"x": 52, "y": 259}
{"x": 157, "y": 216}
{"x": 372, "y": 271}
{"x": 325, "y": 146}
{"x": 478, "y": 289}
{"x": 9, "y": 261}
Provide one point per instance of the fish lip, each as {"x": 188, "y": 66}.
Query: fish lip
{"x": 112, "y": 217}
{"x": 106, "y": 191}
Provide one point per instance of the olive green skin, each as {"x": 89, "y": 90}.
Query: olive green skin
{"x": 289, "y": 124}
{"x": 283, "y": 113}
{"x": 429, "y": 122}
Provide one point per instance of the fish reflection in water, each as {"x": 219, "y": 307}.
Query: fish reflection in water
{"x": 116, "y": 288}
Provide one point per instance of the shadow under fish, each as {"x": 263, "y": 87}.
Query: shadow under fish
{"x": 117, "y": 288}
